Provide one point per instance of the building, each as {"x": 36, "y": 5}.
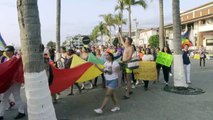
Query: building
{"x": 197, "y": 24}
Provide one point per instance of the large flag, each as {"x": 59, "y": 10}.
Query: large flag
{"x": 64, "y": 78}
{"x": 89, "y": 74}
{"x": 2, "y": 43}
{"x": 10, "y": 72}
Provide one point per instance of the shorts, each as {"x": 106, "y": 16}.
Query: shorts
{"x": 128, "y": 71}
{"x": 112, "y": 84}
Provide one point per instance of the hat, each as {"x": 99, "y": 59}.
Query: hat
{"x": 1, "y": 48}
{"x": 9, "y": 49}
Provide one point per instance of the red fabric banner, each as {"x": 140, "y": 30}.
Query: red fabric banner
{"x": 10, "y": 72}
{"x": 64, "y": 78}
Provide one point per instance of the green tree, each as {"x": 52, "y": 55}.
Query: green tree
{"x": 154, "y": 41}
{"x": 179, "y": 76}
{"x": 51, "y": 44}
{"x": 129, "y": 4}
{"x": 109, "y": 21}
{"x": 120, "y": 6}
{"x": 119, "y": 21}
{"x": 95, "y": 32}
{"x": 100, "y": 29}
{"x": 36, "y": 82}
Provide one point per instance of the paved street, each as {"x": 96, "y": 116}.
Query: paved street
{"x": 155, "y": 104}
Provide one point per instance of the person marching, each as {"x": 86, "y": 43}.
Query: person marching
{"x": 127, "y": 56}
{"x": 147, "y": 57}
{"x": 166, "y": 70}
{"x": 111, "y": 70}
{"x": 14, "y": 89}
{"x": 186, "y": 63}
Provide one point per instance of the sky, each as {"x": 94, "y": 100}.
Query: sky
{"x": 80, "y": 16}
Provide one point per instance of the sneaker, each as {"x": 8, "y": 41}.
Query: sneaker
{"x": 189, "y": 82}
{"x": 133, "y": 86}
{"x": 91, "y": 86}
{"x": 57, "y": 96}
{"x": 137, "y": 82}
{"x": 166, "y": 83}
{"x": 115, "y": 109}
{"x": 98, "y": 111}
{"x": 19, "y": 116}
{"x": 82, "y": 87}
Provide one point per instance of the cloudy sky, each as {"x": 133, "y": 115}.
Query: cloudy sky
{"x": 79, "y": 17}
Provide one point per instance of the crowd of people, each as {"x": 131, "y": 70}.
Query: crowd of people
{"x": 113, "y": 74}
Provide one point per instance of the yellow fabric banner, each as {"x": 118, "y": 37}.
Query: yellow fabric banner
{"x": 90, "y": 74}
{"x": 146, "y": 71}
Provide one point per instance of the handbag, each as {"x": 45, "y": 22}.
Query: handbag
{"x": 133, "y": 63}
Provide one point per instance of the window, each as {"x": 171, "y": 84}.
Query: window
{"x": 209, "y": 42}
{"x": 203, "y": 22}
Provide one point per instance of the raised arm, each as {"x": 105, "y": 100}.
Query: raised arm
{"x": 121, "y": 40}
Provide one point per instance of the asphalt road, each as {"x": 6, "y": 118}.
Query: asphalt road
{"x": 154, "y": 104}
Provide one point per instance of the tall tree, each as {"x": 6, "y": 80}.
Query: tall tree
{"x": 58, "y": 27}
{"x": 109, "y": 21}
{"x": 179, "y": 76}
{"x": 129, "y": 4}
{"x": 120, "y": 6}
{"x": 161, "y": 27}
{"x": 39, "y": 101}
{"x": 103, "y": 30}
{"x": 119, "y": 21}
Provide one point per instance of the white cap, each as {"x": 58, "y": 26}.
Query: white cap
{"x": 1, "y": 48}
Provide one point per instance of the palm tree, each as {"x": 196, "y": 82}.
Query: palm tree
{"x": 58, "y": 26}
{"x": 119, "y": 21}
{"x": 120, "y": 6}
{"x": 39, "y": 101}
{"x": 103, "y": 30}
{"x": 129, "y": 4}
{"x": 109, "y": 21}
{"x": 179, "y": 76}
{"x": 161, "y": 28}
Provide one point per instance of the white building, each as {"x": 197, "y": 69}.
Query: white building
{"x": 197, "y": 23}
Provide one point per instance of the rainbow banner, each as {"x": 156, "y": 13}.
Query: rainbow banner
{"x": 185, "y": 40}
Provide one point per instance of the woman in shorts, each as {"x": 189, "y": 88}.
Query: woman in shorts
{"x": 110, "y": 70}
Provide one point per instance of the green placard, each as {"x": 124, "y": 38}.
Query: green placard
{"x": 164, "y": 59}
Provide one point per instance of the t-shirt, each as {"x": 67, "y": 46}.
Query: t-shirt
{"x": 109, "y": 66}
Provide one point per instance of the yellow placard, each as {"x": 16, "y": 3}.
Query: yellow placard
{"x": 146, "y": 71}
